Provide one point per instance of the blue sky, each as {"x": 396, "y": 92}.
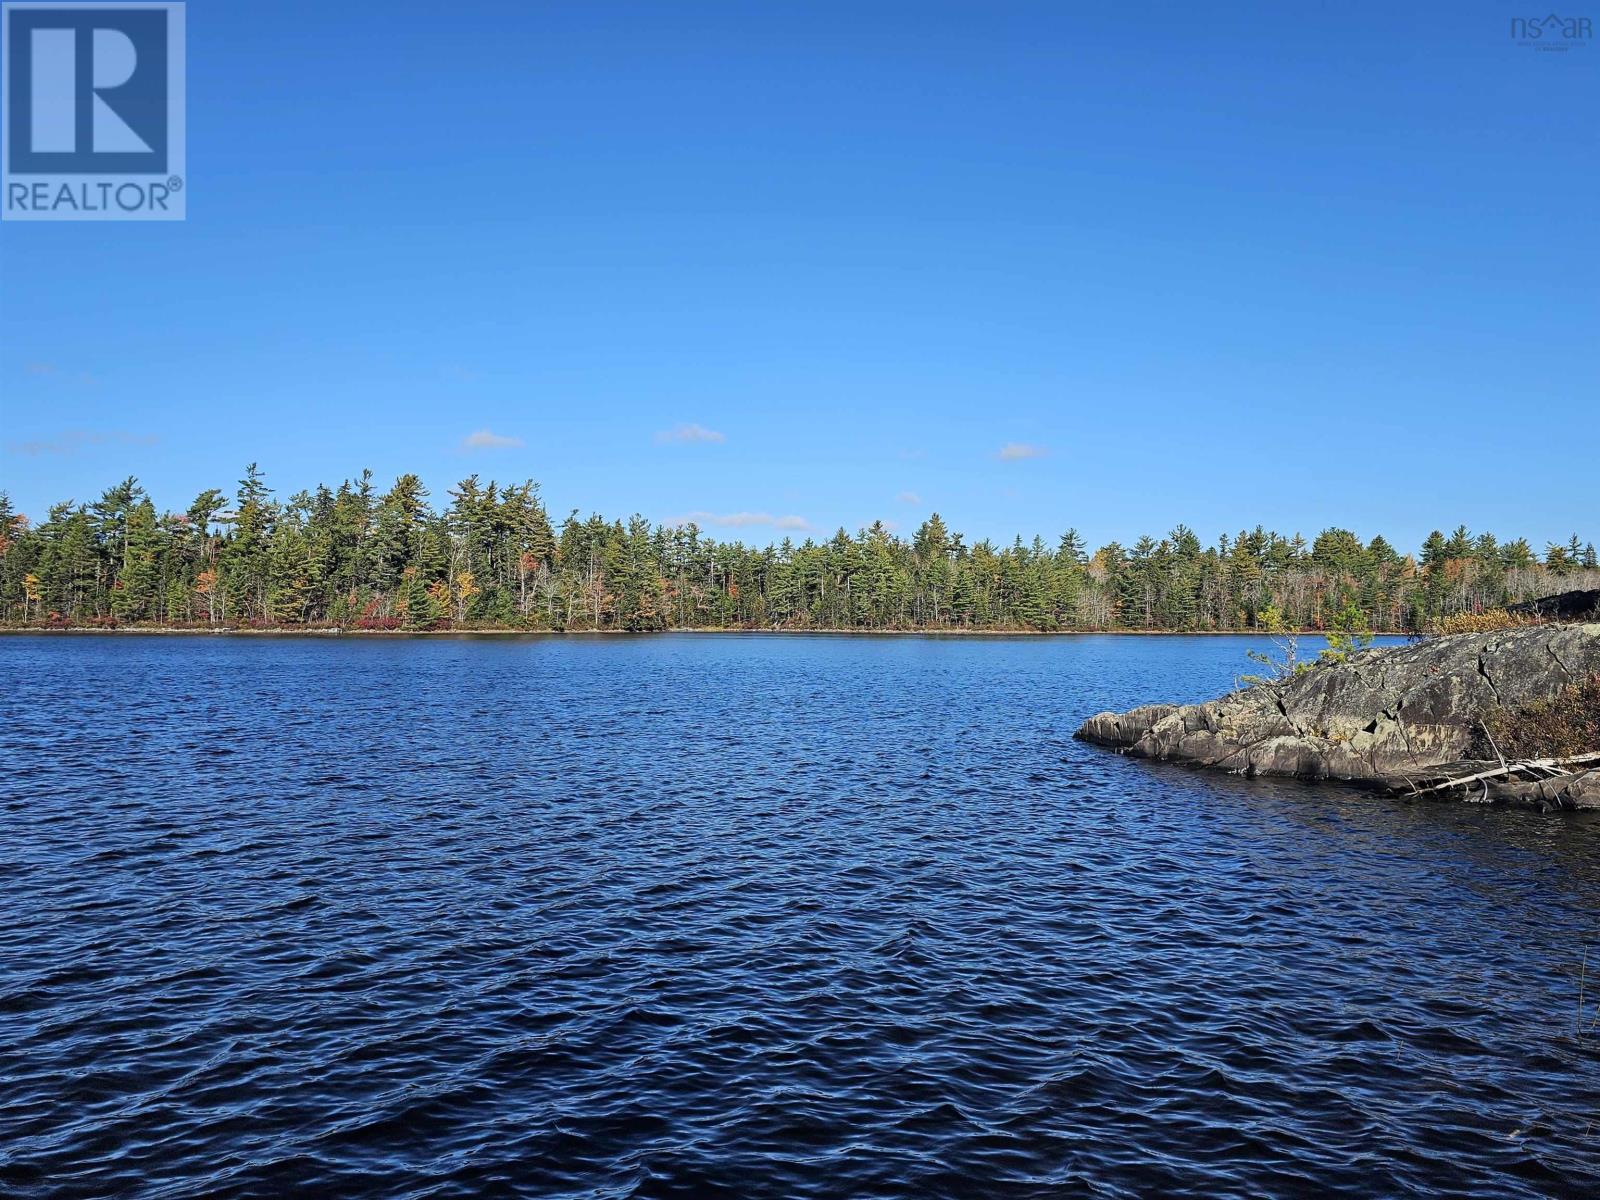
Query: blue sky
{"x": 810, "y": 265}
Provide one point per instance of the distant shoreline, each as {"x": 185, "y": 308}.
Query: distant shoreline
{"x": 161, "y": 631}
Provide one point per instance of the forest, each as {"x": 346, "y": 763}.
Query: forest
{"x": 490, "y": 557}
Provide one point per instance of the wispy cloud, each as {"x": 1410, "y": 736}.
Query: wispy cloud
{"x": 689, "y": 433}
{"x": 41, "y": 369}
{"x": 741, "y": 520}
{"x": 1017, "y": 451}
{"x": 908, "y": 498}
{"x": 78, "y": 439}
{"x": 483, "y": 439}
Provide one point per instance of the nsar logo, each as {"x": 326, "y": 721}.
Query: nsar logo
{"x": 93, "y": 121}
{"x": 1552, "y": 32}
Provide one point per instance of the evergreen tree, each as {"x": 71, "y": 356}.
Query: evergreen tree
{"x": 347, "y": 556}
{"x": 136, "y": 594}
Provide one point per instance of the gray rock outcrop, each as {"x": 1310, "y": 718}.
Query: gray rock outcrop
{"x": 1564, "y": 606}
{"x": 1382, "y": 716}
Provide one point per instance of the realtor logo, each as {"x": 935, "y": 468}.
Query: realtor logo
{"x": 93, "y": 121}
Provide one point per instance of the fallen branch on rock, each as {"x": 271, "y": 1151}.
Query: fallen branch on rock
{"x": 1553, "y": 767}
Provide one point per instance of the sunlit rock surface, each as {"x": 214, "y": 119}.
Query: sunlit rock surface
{"x": 1382, "y": 716}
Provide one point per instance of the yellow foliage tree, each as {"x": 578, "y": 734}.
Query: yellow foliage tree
{"x": 439, "y": 594}
{"x": 466, "y": 588}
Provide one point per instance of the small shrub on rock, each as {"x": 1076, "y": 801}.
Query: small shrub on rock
{"x": 1566, "y": 724}
{"x": 1490, "y": 621}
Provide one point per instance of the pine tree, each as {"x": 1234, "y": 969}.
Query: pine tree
{"x": 136, "y": 592}
{"x": 492, "y": 558}
{"x": 289, "y": 577}
{"x": 421, "y": 609}
{"x": 245, "y": 561}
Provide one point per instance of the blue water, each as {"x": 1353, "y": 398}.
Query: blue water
{"x": 749, "y": 916}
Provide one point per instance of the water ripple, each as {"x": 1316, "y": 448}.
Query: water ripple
{"x": 700, "y": 917}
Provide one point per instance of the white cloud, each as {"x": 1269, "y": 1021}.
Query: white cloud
{"x": 483, "y": 439}
{"x": 908, "y": 498}
{"x": 49, "y": 370}
{"x": 741, "y": 520}
{"x": 689, "y": 433}
{"x": 1016, "y": 451}
{"x": 76, "y": 439}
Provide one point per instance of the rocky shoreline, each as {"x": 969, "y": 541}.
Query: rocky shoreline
{"x": 1406, "y": 719}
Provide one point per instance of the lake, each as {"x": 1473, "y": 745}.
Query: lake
{"x": 748, "y": 916}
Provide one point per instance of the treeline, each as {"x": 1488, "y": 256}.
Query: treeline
{"x": 357, "y": 557}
